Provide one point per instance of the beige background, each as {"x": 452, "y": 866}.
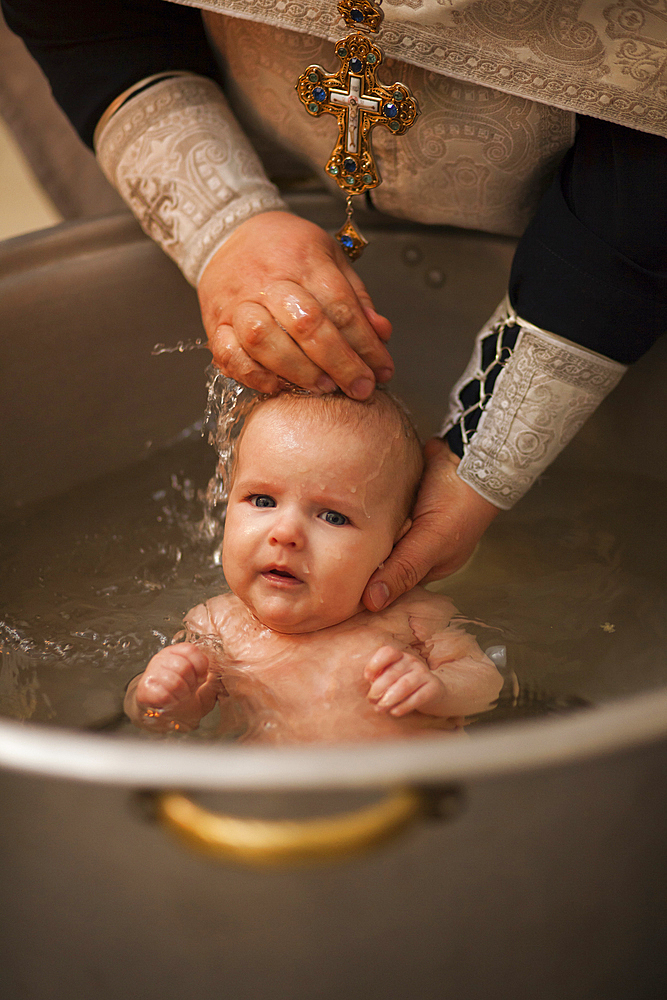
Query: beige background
{"x": 46, "y": 173}
{"x": 24, "y": 206}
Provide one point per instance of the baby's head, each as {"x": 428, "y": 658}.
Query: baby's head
{"x": 321, "y": 490}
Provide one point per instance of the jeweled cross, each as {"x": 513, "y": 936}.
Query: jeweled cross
{"x": 359, "y": 103}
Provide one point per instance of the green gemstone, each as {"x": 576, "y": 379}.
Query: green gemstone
{"x": 313, "y": 106}
{"x": 314, "y": 78}
{"x": 350, "y": 179}
{"x": 398, "y": 95}
{"x": 342, "y": 52}
{"x": 367, "y": 179}
{"x": 333, "y": 169}
{"x": 370, "y": 58}
{"x": 394, "y": 126}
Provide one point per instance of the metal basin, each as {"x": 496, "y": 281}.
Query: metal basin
{"x": 548, "y": 876}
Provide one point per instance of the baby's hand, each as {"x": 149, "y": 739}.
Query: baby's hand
{"x": 402, "y": 683}
{"x": 174, "y": 687}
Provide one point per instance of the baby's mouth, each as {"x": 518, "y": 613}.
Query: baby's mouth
{"x": 276, "y": 574}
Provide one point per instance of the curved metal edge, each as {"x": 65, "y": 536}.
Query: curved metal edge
{"x": 68, "y": 240}
{"x": 512, "y": 747}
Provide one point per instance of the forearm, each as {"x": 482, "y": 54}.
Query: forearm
{"x": 471, "y": 685}
{"x": 176, "y": 155}
{"x": 588, "y": 293}
{"x": 471, "y": 681}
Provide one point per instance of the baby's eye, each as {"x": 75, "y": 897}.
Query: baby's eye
{"x": 333, "y": 517}
{"x": 261, "y": 500}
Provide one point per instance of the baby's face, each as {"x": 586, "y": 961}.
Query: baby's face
{"x": 311, "y": 515}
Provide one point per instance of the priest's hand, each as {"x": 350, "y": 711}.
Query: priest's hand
{"x": 281, "y": 303}
{"x": 448, "y": 521}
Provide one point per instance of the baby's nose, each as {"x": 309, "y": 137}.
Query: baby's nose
{"x": 288, "y": 530}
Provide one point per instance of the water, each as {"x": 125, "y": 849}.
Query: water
{"x": 575, "y": 578}
{"x": 95, "y": 582}
{"x": 572, "y": 582}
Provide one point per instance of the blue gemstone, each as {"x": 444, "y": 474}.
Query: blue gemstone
{"x": 320, "y": 94}
{"x": 357, "y": 15}
{"x": 349, "y": 165}
{"x": 356, "y": 65}
{"x": 388, "y": 110}
{"x": 346, "y": 241}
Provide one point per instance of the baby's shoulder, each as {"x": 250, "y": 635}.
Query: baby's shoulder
{"x": 421, "y": 602}
{"x": 216, "y": 615}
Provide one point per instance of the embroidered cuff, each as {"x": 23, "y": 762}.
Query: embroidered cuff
{"x": 176, "y": 155}
{"x": 524, "y": 395}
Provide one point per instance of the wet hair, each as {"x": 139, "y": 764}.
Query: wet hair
{"x": 382, "y": 414}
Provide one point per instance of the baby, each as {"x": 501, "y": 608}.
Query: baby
{"x": 321, "y": 491}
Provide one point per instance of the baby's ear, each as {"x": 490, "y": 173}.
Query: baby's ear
{"x": 407, "y": 524}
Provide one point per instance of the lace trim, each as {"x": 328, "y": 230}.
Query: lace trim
{"x": 177, "y": 157}
{"x": 523, "y": 396}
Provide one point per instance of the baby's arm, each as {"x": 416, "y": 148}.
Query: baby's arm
{"x": 175, "y": 691}
{"x": 443, "y": 673}
{"x": 470, "y": 678}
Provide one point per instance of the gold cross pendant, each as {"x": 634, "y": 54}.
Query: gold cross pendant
{"x": 359, "y": 103}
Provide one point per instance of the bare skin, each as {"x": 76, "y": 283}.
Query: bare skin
{"x": 405, "y": 671}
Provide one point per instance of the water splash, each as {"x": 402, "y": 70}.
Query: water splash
{"x": 180, "y": 347}
{"x": 228, "y": 403}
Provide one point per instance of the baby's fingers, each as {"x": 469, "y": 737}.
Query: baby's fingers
{"x": 173, "y": 675}
{"x": 379, "y": 662}
{"x": 196, "y": 657}
{"x": 414, "y": 702}
{"x": 402, "y": 689}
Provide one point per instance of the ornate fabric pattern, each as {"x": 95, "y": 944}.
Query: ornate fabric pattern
{"x": 601, "y": 59}
{"x": 522, "y": 398}
{"x": 476, "y": 158}
{"x": 178, "y": 158}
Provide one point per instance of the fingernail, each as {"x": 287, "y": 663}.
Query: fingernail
{"x": 361, "y": 388}
{"x": 379, "y": 595}
{"x": 384, "y": 374}
{"x": 326, "y": 384}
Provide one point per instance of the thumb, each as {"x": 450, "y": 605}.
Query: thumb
{"x": 408, "y": 563}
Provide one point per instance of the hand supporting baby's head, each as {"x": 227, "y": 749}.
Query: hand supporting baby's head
{"x": 321, "y": 490}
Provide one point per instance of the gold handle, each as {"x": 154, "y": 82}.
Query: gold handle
{"x": 281, "y": 843}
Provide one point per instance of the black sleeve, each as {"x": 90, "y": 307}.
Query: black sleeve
{"x": 92, "y": 51}
{"x": 592, "y": 265}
